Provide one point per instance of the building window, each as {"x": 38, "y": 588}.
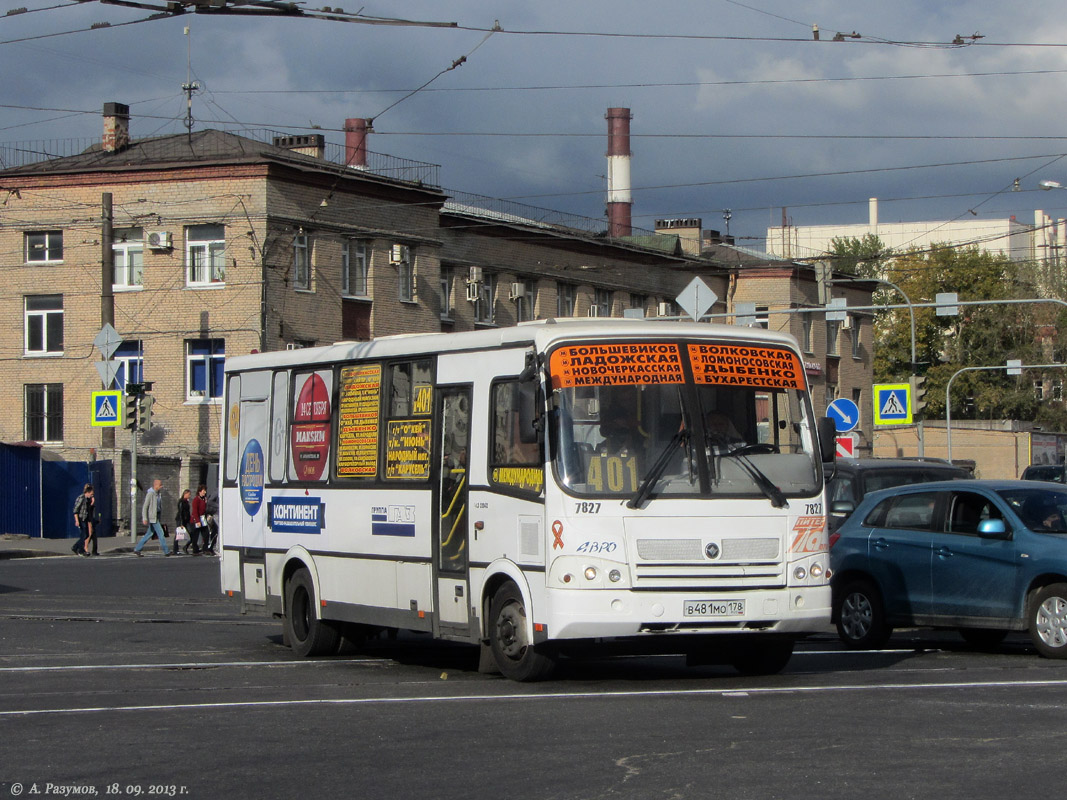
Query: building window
{"x": 484, "y": 307}
{"x": 128, "y": 254}
{"x": 129, "y": 360}
{"x": 1057, "y": 390}
{"x": 301, "y": 262}
{"x": 205, "y": 251}
{"x": 44, "y": 412}
{"x": 809, "y": 333}
{"x": 405, "y": 275}
{"x": 204, "y": 359}
{"x": 831, "y": 393}
{"x": 44, "y": 324}
{"x": 1039, "y": 390}
{"x": 639, "y": 301}
{"x": 565, "y": 299}
{"x": 857, "y": 397}
{"x": 602, "y": 303}
{"x": 448, "y": 286}
{"x": 763, "y": 317}
{"x": 856, "y": 352}
{"x": 833, "y": 329}
{"x": 354, "y": 268}
{"x": 524, "y": 308}
{"x": 44, "y": 247}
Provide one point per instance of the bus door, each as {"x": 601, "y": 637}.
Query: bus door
{"x": 249, "y": 423}
{"x": 452, "y": 551}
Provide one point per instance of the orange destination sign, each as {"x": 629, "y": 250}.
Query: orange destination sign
{"x": 746, "y": 365}
{"x": 620, "y": 364}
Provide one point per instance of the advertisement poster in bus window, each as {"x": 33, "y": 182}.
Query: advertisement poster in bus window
{"x": 746, "y": 365}
{"x": 359, "y": 399}
{"x": 618, "y": 364}
{"x": 309, "y": 433}
{"x": 407, "y": 449}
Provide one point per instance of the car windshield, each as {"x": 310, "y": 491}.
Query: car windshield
{"x": 1041, "y": 510}
{"x": 648, "y": 429}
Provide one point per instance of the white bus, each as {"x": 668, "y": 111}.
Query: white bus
{"x": 651, "y": 485}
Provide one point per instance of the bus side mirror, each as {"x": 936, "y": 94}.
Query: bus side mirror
{"x": 827, "y": 429}
{"x": 529, "y": 417}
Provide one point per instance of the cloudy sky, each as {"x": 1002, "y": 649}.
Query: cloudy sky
{"x": 735, "y": 106}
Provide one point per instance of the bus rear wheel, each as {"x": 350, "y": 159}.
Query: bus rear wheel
{"x": 307, "y": 634}
{"x": 515, "y": 655}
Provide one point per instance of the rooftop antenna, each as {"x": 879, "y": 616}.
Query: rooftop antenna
{"x": 189, "y": 86}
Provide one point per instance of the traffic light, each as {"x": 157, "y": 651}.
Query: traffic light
{"x": 131, "y": 411}
{"x": 918, "y": 396}
{"x": 144, "y": 407}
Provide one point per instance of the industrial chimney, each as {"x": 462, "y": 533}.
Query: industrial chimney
{"x": 620, "y": 201}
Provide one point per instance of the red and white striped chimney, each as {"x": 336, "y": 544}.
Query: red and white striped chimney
{"x": 620, "y": 201}
{"x": 356, "y": 142}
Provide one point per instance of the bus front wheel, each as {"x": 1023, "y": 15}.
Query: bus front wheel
{"x": 307, "y": 634}
{"x": 515, "y": 655}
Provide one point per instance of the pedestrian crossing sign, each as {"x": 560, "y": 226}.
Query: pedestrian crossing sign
{"x": 107, "y": 409}
{"x": 892, "y": 404}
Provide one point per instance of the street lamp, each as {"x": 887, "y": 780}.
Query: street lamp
{"x": 1047, "y": 185}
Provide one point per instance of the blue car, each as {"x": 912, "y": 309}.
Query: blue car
{"x": 983, "y": 557}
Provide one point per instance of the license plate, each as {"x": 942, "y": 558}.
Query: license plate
{"x": 713, "y": 608}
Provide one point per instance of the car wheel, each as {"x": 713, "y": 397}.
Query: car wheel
{"x": 1048, "y": 620}
{"x": 983, "y": 637}
{"x": 861, "y": 622}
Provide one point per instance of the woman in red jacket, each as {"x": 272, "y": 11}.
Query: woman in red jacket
{"x": 199, "y": 532}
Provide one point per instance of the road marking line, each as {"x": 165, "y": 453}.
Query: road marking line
{"x": 724, "y": 693}
{"x": 192, "y": 665}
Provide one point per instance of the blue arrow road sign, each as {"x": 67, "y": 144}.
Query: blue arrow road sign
{"x": 844, "y": 413}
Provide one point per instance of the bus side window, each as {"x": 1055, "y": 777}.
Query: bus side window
{"x": 516, "y": 463}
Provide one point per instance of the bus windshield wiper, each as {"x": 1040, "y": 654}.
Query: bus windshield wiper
{"x": 656, "y": 470}
{"x": 773, "y": 493}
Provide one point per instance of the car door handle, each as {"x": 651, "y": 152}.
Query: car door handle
{"x": 944, "y": 552}
{"x": 881, "y": 544}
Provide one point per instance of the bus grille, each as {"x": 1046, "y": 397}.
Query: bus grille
{"x": 742, "y": 563}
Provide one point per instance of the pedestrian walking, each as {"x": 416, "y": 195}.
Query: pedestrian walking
{"x": 200, "y": 529}
{"x": 182, "y": 522}
{"x": 84, "y": 510}
{"x": 153, "y": 503}
{"x": 213, "y": 523}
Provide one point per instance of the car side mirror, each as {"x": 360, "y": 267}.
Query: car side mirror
{"x": 842, "y": 507}
{"x": 993, "y": 529}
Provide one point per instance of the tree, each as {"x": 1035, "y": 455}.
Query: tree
{"x": 980, "y": 336}
{"x": 864, "y": 257}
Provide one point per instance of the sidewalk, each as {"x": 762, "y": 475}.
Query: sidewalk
{"x": 13, "y": 545}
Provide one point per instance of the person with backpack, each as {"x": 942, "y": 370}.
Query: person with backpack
{"x": 84, "y": 509}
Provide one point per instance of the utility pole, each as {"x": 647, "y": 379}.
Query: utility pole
{"x": 107, "y": 290}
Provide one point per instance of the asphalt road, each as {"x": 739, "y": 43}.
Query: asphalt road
{"x": 134, "y": 677}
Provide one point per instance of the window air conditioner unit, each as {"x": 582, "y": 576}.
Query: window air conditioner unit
{"x": 594, "y": 310}
{"x": 399, "y": 254}
{"x": 158, "y": 240}
{"x": 474, "y": 291}
{"x": 476, "y": 275}
{"x": 847, "y": 323}
{"x": 294, "y": 346}
{"x": 663, "y": 310}
{"x": 517, "y": 292}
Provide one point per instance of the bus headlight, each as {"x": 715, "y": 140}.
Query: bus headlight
{"x": 614, "y": 576}
{"x": 800, "y": 573}
{"x": 590, "y": 573}
{"x": 816, "y": 570}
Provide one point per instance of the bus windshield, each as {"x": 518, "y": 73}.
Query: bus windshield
{"x": 735, "y": 424}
